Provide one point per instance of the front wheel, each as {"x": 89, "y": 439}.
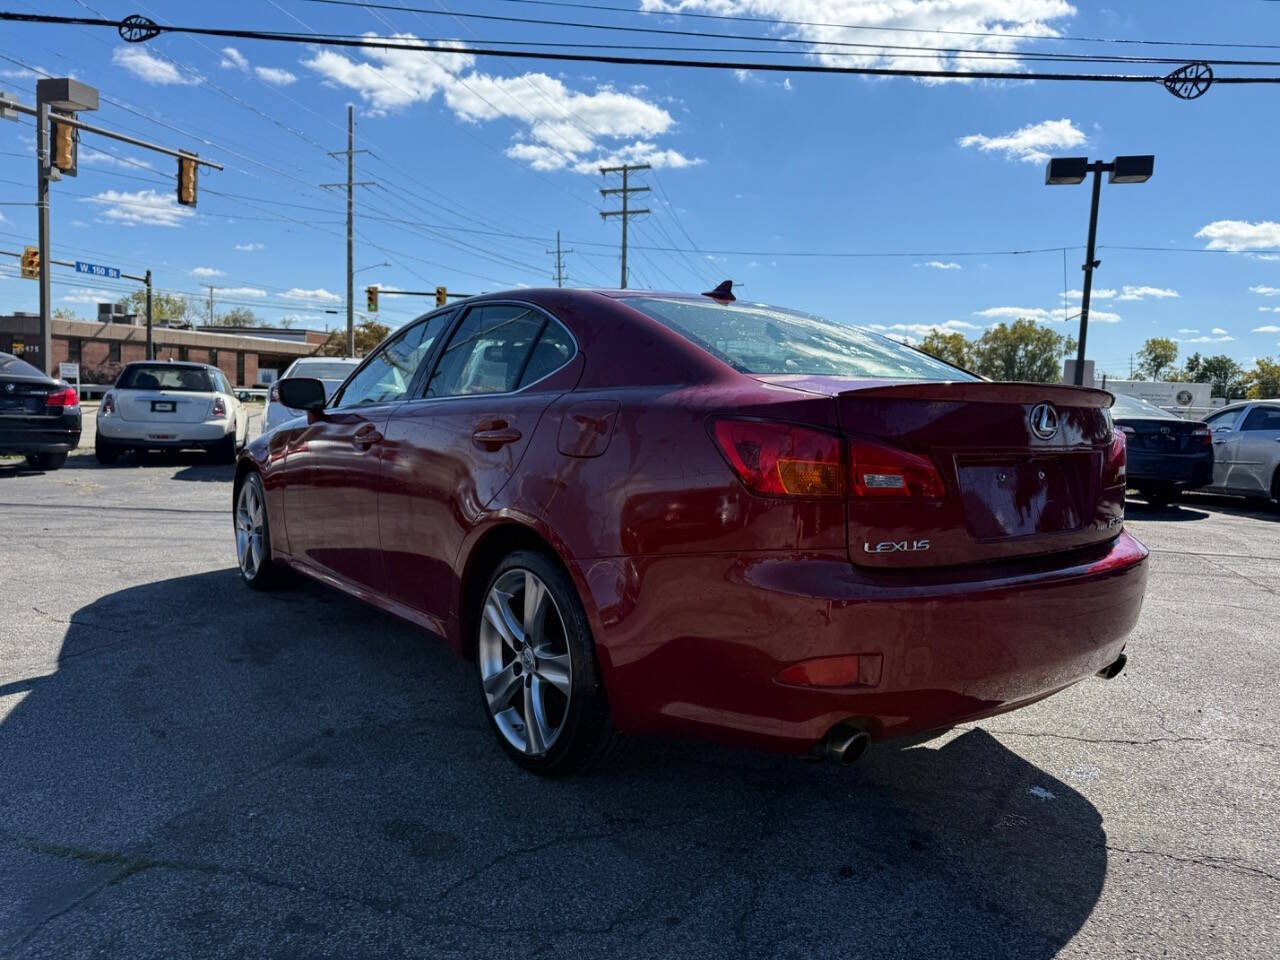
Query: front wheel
{"x": 46, "y": 461}
{"x": 253, "y": 536}
{"x": 539, "y": 680}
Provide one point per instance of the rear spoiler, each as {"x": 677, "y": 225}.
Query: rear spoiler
{"x": 966, "y": 391}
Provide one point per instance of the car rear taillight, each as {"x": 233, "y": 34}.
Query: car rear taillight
{"x": 781, "y": 459}
{"x": 1116, "y": 456}
{"x": 66, "y": 397}
{"x": 880, "y": 472}
{"x": 219, "y": 408}
{"x": 1204, "y": 435}
{"x": 108, "y": 406}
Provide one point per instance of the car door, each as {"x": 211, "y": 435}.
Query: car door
{"x": 449, "y": 452}
{"x": 1224, "y": 446}
{"x": 334, "y": 462}
{"x": 1258, "y": 449}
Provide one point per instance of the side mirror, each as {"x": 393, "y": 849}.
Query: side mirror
{"x": 302, "y": 393}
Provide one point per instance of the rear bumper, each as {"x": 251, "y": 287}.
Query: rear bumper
{"x": 692, "y": 645}
{"x": 60, "y": 436}
{"x": 1180, "y": 471}
{"x": 147, "y": 435}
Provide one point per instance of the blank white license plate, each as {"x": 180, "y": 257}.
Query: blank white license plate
{"x": 164, "y": 406}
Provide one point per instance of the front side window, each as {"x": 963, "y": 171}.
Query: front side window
{"x": 489, "y": 351}
{"x": 758, "y": 339}
{"x": 1223, "y": 421}
{"x": 388, "y": 374}
{"x": 1262, "y": 418}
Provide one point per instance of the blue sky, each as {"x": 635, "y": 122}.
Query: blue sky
{"x": 479, "y": 161}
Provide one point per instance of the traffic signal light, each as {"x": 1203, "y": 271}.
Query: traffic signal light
{"x": 371, "y": 299}
{"x": 187, "y": 181}
{"x": 64, "y": 138}
{"x": 442, "y": 296}
{"x": 31, "y": 263}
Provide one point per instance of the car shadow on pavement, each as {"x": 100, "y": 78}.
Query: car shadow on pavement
{"x": 208, "y": 771}
{"x": 1266, "y": 510}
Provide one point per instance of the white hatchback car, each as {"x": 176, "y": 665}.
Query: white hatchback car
{"x": 331, "y": 371}
{"x": 156, "y": 405}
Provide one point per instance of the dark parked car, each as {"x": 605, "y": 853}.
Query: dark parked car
{"x": 1167, "y": 454}
{"x": 655, "y": 513}
{"x": 39, "y": 416}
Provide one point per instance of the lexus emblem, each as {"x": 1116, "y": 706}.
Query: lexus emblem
{"x": 1044, "y": 420}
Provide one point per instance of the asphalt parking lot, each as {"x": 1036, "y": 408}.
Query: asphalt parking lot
{"x": 191, "y": 769}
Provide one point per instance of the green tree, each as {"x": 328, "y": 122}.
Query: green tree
{"x": 1225, "y": 374}
{"x": 62, "y": 313}
{"x": 1263, "y": 381}
{"x": 1023, "y": 350}
{"x": 369, "y": 333}
{"x": 1156, "y": 357}
{"x": 948, "y": 347}
{"x": 237, "y": 317}
{"x": 164, "y": 306}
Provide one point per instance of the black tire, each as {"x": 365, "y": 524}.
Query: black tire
{"x": 105, "y": 451}
{"x": 265, "y": 574}
{"x": 46, "y": 461}
{"x": 225, "y": 451}
{"x": 587, "y": 735}
{"x": 1156, "y": 496}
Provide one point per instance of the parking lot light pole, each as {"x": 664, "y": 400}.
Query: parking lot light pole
{"x": 1072, "y": 170}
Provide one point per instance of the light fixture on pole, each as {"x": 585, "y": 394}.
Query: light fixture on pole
{"x": 1072, "y": 170}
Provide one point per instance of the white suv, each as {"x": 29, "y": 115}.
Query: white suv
{"x": 331, "y": 371}
{"x": 156, "y": 405}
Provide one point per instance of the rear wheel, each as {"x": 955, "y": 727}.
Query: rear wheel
{"x": 46, "y": 461}
{"x": 1158, "y": 496}
{"x": 539, "y": 680}
{"x": 253, "y": 536}
{"x": 105, "y": 451}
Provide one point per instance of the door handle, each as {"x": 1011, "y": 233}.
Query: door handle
{"x": 366, "y": 437}
{"x": 495, "y": 435}
{"x": 1218, "y": 443}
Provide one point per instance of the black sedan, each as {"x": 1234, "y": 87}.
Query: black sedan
{"x": 39, "y": 416}
{"x": 1167, "y": 454}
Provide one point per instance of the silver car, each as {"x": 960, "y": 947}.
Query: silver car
{"x": 1246, "y": 449}
{"x": 331, "y": 371}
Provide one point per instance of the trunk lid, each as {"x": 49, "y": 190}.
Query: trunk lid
{"x": 1023, "y": 469}
{"x": 163, "y": 406}
{"x": 1158, "y": 436}
{"x": 24, "y": 397}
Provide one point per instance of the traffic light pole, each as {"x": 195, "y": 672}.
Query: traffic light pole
{"x": 43, "y": 166}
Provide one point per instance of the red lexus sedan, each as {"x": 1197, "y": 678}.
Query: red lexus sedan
{"x": 641, "y": 512}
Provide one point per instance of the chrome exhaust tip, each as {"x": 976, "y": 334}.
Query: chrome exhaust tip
{"x": 844, "y": 744}
{"x": 1114, "y": 670}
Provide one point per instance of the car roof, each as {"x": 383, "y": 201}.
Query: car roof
{"x": 189, "y": 364}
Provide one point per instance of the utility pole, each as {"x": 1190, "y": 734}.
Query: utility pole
{"x": 350, "y": 185}
{"x": 210, "y": 304}
{"x": 626, "y": 213}
{"x": 151, "y": 346}
{"x": 559, "y": 260}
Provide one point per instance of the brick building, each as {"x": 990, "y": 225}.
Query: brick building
{"x": 245, "y": 356}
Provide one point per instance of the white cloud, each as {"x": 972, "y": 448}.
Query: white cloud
{"x": 1141, "y": 293}
{"x": 1226, "y": 338}
{"x": 319, "y": 295}
{"x": 143, "y": 207}
{"x": 1219, "y": 331}
{"x": 556, "y": 127}
{"x": 1057, "y": 315}
{"x": 1237, "y": 235}
{"x": 1188, "y": 330}
{"x": 89, "y": 157}
{"x": 249, "y": 247}
{"x": 239, "y": 292}
{"x": 206, "y": 272}
{"x": 994, "y": 27}
{"x": 151, "y": 69}
{"x": 233, "y": 59}
{"x": 942, "y": 265}
{"x": 1099, "y": 293}
{"x": 91, "y": 296}
{"x": 1032, "y": 143}
{"x": 924, "y": 329}
{"x": 275, "y": 76}
{"x": 1265, "y": 291}
{"x": 1267, "y": 328}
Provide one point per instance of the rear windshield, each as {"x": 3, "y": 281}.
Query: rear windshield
{"x": 321, "y": 369}
{"x": 164, "y": 376}
{"x": 1133, "y": 407}
{"x": 11, "y": 366}
{"x": 754, "y": 338}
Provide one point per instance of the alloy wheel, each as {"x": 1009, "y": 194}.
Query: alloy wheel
{"x": 525, "y": 666}
{"x": 249, "y": 529}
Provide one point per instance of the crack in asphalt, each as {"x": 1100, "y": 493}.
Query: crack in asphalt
{"x": 1229, "y": 864}
{"x": 1130, "y": 743}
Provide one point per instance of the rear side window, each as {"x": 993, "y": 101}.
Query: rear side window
{"x": 165, "y": 376}
{"x": 754, "y": 338}
{"x": 488, "y": 352}
{"x": 1262, "y": 418}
